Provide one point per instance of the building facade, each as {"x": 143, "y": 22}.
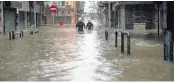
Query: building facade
{"x": 18, "y": 15}
{"x": 66, "y": 12}
{"x": 126, "y": 14}
{"x": 79, "y": 9}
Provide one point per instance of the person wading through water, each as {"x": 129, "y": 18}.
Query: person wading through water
{"x": 89, "y": 25}
{"x": 80, "y": 25}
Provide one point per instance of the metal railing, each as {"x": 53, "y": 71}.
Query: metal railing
{"x": 123, "y": 33}
{"x": 32, "y": 32}
{"x": 12, "y": 34}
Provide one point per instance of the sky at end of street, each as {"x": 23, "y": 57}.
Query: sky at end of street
{"x": 88, "y": 8}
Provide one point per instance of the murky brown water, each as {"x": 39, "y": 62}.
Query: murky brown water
{"x": 63, "y": 54}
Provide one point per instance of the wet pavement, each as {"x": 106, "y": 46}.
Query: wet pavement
{"x": 62, "y": 54}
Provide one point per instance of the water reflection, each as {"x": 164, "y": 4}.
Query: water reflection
{"x": 88, "y": 53}
{"x": 65, "y": 55}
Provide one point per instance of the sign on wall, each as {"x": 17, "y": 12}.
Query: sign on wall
{"x": 53, "y": 8}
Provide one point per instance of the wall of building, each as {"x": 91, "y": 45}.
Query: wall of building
{"x": 79, "y": 9}
{"x": 21, "y": 20}
{"x": 73, "y": 18}
{"x": 65, "y": 19}
{"x": 170, "y": 16}
{"x": 18, "y": 16}
{"x": 129, "y": 14}
{"x": 129, "y": 19}
{"x": 9, "y": 19}
{"x": 38, "y": 19}
{"x": 63, "y": 13}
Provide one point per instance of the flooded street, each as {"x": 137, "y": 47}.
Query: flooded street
{"x": 62, "y": 54}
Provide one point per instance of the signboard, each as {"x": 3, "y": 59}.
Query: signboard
{"x": 53, "y": 8}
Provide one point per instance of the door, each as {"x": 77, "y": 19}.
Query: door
{"x": 9, "y": 19}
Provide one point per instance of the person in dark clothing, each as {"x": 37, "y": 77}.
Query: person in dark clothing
{"x": 89, "y": 25}
{"x": 80, "y": 25}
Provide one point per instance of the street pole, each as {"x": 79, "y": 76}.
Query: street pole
{"x": 109, "y": 15}
{"x": 158, "y": 18}
{"x": 53, "y": 18}
{"x": 41, "y": 15}
{"x": 34, "y": 15}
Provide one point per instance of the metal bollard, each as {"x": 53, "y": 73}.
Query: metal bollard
{"x": 168, "y": 46}
{"x": 36, "y": 32}
{"x": 116, "y": 33}
{"x": 128, "y": 44}
{"x": 13, "y": 35}
{"x": 31, "y": 32}
{"x": 122, "y": 42}
{"x": 22, "y": 33}
{"x": 106, "y": 35}
{"x": 10, "y": 35}
{"x": 165, "y": 47}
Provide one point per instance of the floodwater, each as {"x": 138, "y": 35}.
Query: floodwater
{"x": 62, "y": 54}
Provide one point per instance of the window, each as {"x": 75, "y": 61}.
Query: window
{"x": 61, "y": 3}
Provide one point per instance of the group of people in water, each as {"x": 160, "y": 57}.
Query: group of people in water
{"x": 80, "y": 26}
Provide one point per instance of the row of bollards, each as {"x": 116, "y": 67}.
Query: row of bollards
{"x": 168, "y": 43}
{"x": 32, "y": 32}
{"x": 12, "y": 34}
{"x": 168, "y": 46}
{"x": 122, "y": 40}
